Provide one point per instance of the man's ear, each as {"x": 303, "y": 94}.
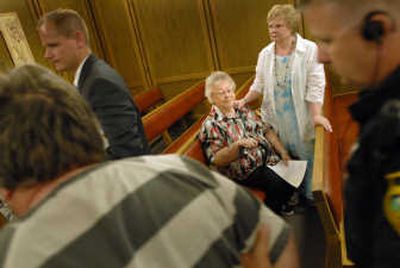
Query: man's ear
{"x": 80, "y": 39}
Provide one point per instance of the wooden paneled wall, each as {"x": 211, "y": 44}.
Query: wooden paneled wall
{"x": 6, "y": 62}
{"x": 171, "y": 44}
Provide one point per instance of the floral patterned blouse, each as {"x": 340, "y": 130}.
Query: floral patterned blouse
{"x": 219, "y": 131}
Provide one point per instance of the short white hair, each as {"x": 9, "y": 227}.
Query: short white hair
{"x": 214, "y": 78}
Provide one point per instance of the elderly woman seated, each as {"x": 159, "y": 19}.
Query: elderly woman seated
{"x": 236, "y": 142}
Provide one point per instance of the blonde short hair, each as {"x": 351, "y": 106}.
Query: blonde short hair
{"x": 66, "y": 22}
{"x": 287, "y": 12}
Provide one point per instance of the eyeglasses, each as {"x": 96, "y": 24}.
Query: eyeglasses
{"x": 222, "y": 92}
{"x": 275, "y": 26}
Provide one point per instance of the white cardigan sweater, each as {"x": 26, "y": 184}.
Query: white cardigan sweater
{"x": 308, "y": 84}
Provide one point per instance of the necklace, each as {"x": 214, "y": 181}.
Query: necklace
{"x": 282, "y": 75}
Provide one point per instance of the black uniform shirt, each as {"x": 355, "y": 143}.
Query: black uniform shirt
{"x": 370, "y": 240}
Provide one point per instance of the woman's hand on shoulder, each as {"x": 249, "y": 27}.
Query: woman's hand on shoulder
{"x": 239, "y": 103}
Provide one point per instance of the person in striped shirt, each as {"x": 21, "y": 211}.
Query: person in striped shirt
{"x": 76, "y": 210}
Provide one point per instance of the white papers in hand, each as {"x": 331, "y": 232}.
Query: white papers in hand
{"x": 293, "y": 173}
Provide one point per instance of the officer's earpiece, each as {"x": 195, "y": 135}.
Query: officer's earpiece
{"x": 374, "y": 28}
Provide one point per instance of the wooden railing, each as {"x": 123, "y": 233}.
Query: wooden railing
{"x": 327, "y": 190}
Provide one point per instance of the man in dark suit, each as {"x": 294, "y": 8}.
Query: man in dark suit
{"x": 64, "y": 36}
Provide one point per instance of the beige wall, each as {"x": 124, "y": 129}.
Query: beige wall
{"x": 171, "y": 44}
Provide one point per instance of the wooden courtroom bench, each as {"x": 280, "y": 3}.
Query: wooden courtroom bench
{"x": 157, "y": 121}
{"x": 185, "y": 137}
{"x": 148, "y": 99}
{"x": 327, "y": 188}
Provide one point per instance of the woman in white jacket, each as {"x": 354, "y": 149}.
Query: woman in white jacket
{"x": 292, "y": 83}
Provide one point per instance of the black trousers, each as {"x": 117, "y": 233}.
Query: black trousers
{"x": 276, "y": 189}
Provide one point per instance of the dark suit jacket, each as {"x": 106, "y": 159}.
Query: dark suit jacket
{"x": 109, "y": 97}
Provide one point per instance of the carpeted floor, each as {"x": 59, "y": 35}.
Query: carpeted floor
{"x": 310, "y": 237}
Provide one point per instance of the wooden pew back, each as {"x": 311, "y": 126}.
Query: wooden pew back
{"x": 147, "y": 99}
{"x": 160, "y": 119}
{"x": 185, "y": 138}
